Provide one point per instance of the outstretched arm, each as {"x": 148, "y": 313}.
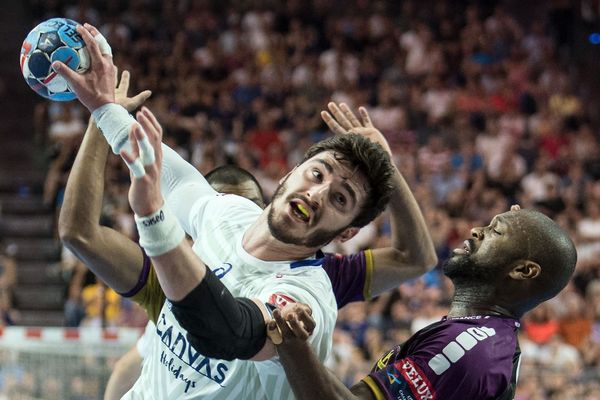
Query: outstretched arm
{"x": 308, "y": 378}
{"x": 412, "y": 252}
{"x": 112, "y": 256}
{"x": 181, "y": 182}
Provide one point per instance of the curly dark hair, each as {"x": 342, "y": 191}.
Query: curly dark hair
{"x": 371, "y": 160}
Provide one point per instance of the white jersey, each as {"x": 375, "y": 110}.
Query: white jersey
{"x": 174, "y": 370}
{"x": 144, "y": 342}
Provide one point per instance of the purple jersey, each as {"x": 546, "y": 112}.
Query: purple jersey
{"x": 456, "y": 358}
{"x": 350, "y": 276}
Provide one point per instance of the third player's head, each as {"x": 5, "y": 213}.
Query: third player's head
{"x": 235, "y": 180}
{"x": 519, "y": 260}
{"x": 342, "y": 184}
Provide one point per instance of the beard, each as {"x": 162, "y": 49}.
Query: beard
{"x": 281, "y": 232}
{"x": 462, "y": 269}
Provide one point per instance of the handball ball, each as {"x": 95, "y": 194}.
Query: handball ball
{"x": 53, "y": 40}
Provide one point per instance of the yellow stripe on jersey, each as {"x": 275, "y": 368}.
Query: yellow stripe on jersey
{"x": 374, "y": 388}
{"x": 368, "y": 274}
{"x": 151, "y": 297}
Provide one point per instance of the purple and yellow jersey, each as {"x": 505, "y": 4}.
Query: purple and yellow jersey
{"x": 473, "y": 357}
{"x": 350, "y": 276}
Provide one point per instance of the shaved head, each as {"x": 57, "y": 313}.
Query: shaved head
{"x": 516, "y": 262}
{"x": 549, "y": 246}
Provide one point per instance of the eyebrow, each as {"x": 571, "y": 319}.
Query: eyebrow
{"x": 345, "y": 183}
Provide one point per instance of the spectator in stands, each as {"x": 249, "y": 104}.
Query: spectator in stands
{"x": 102, "y": 305}
{"x": 8, "y": 280}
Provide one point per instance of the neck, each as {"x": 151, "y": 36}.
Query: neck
{"x": 477, "y": 299}
{"x": 260, "y": 243}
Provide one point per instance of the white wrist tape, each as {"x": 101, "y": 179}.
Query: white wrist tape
{"x": 136, "y": 168}
{"x": 103, "y": 44}
{"x": 115, "y": 122}
{"x": 159, "y": 232}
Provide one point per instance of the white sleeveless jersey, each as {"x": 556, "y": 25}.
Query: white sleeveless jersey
{"x": 174, "y": 370}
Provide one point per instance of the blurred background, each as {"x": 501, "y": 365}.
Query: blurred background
{"x": 484, "y": 103}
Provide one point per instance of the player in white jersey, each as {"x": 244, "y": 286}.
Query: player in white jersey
{"x": 353, "y": 277}
{"x": 174, "y": 369}
{"x": 225, "y": 179}
{"x": 325, "y": 197}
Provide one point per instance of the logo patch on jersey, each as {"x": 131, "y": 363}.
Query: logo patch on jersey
{"x": 384, "y": 361}
{"x": 280, "y": 300}
{"x": 417, "y": 381}
{"x": 393, "y": 378}
{"x": 222, "y": 271}
{"x": 458, "y": 348}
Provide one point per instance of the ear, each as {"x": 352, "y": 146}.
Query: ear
{"x": 525, "y": 269}
{"x": 347, "y": 234}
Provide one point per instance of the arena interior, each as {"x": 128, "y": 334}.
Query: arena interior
{"x": 485, "y": 104}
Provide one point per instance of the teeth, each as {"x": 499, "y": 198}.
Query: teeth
{"x": 303, "y": 210}
{"x": 466, "y": 246}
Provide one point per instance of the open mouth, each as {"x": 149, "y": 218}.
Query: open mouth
{"x": 300, "y": 211}
{"x": 467, "y": 248}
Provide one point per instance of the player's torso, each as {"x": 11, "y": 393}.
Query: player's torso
{"x": 220, "y": 251}
{"x": 174, "y": 370}
{"x": 186, "y": 374}
{"x": 472, "y": 357}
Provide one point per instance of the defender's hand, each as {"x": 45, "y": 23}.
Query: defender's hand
{"x": 96, "y": 86}
{"x": 344, "y": 121}
{"x": 293, "y": 324}
{"x": 130, "y": 103}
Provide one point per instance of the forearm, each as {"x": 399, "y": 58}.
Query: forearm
{"x": 412, "y": 252}
{"x": 82, "y": 203}
{"x": 179, "y": 271}
{"x": 126, "y": 372}
{"x": 409, "y": 230}
{"x": 112, "y": 256}
{"x": 308, "y": 378}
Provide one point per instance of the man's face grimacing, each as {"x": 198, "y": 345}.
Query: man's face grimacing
{"x": 490, "y": 253}
{"x": 316, "y": 202}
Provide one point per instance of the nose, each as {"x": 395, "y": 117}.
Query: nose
{"x": 316, "y": 194}
{"x": 477, "y": 233}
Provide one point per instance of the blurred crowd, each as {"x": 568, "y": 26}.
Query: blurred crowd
{"x": 483, "y": 105}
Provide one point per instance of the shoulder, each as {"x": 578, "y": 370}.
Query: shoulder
{"x": 225, "y": 202}
{"x": 227, "y": 209}
{"x": 332, "y": 261}
{"x": 450, "y": 340}
{"x": 485, "y": 348}
{"x": 350, "y": 276}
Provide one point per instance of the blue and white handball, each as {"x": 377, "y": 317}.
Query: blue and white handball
{"x": 53, "y": 40}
